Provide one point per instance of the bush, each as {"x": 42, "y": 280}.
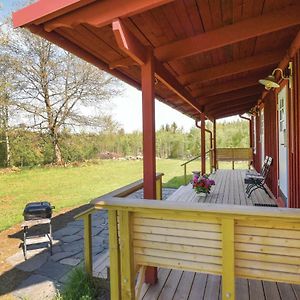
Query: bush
{"x": 80, "y": 286}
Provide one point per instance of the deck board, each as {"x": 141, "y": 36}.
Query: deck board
{"x": 229, "y": 189}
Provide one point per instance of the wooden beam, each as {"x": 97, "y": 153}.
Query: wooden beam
{"x": 122, "y": 63}
{"x": 203, "y": 148}
{"x": 215, "y": 144}
{"x": 235, "y": 67}
{"x": 42, "y": 11}
{"x": 149, "y": 150}
{"x": 137, "y": 51}
{"x": 102, "y": 13}
{"x": 237, "y": 94}
{"x": 230, "y": 34}
{"x": 231, "y": 111}
{"x": 232, "y": 85}
{"x": 212, "y": 106}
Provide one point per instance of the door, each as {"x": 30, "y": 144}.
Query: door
{"x": 283, "y": 143}
{"x": 262, "y": 137}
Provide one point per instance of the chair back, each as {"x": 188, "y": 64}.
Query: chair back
{"x": 267, "y": 168}
{"x": 263, "y": 169}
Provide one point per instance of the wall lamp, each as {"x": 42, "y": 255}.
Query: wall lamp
{"x": 270, "y": 81}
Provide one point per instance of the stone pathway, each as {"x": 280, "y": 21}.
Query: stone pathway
{"x": 46, "y": 273}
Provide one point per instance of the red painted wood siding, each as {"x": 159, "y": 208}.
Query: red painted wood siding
{"x": 271, "y": 148}
{"x": 294, "y": 137}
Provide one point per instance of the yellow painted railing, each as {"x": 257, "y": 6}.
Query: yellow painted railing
{"x": 232, "y": 241}
{"x": 86, "y": 215}
{"x": 234, "y": 154}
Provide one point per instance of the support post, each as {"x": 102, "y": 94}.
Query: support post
{"x": 159, "y": 188}
{"x": 114, "y": 255}
{"x": 251, "y": 133}
{"x": 149, "y": 162}
{"x": 203, "y": 160}
{"x": 215, "y": 143}
{"x": 228, "y": 275}
{"x": 88, "y": 258}
{"x": 126, "y": 255}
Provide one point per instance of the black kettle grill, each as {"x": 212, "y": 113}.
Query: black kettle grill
{"x": 37, "y": 210}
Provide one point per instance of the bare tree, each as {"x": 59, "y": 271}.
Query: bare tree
{"x": 6, "y": 76}
{"x": 56, "y": 89}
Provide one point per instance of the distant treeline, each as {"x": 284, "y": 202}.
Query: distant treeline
{"x": 29, "y": 148}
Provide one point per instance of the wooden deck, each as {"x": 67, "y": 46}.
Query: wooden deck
{"x": 229, "y": 189}
{"x": 178, "y": 284}
{"x": 175, "y": 284}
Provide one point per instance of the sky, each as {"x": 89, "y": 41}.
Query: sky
{"x": 127, "y": 109}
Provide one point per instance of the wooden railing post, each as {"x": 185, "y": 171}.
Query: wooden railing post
{"x": 159, "y": 188}
{"x": 126, "y": 254}
{"x": 88, "y": 258}
{"x": 228, "y": 260}
{"x": 211, "y": 160}
{"x": 114, "y": 256}
{"x": 185, "y": 179}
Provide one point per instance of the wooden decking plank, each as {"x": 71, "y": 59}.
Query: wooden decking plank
{"x": 240, "y": 189}
{"x": 242, "y": 289}
{"x": 296, "y": 289}
{"x": 184, "y": 286}
{"x": 154, "y": 291}
{"x": 256, "y": 290}
{"x": 271, "y": 290}
{"x": 170, "y": 286}
{"x": 286, "y": 291}
{"x": 198, "y": 287}
{"x": 212, "y": 288}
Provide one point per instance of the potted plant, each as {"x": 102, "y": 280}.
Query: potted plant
{"x": 202, "y": 184}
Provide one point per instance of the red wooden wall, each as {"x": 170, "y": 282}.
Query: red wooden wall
{"x": 271, "y": 137}
{"x": 270, "y": 116}
{"x": 294, "y": 136}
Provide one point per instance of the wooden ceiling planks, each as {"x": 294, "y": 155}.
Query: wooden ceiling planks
{"x": 182, "y": 19}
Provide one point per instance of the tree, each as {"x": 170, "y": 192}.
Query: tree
{"x": 6, "y": 75}
{"x": 55, "y": 89}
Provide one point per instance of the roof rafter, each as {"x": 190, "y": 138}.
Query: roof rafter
{"x": 213, "y": 108}
{"x": 229, "y": 86}
{"x": 240, "y": 31}
{"x": 231, "y": 111}
{"x": 128, "y": 42}
{"x": 242, "y": 93}
{"x": 44, "y": 10}
{"x": 91, "y": 14}
{"x": 235, "y": 67}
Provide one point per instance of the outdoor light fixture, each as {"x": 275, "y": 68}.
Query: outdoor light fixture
{"x": 270, "y": 81}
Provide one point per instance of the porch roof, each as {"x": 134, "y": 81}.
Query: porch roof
{"x": 209, "y": 55}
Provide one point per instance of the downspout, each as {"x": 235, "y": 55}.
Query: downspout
{"x": 207, "y": 130}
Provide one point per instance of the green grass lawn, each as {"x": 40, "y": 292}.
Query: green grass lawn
{"x": 72, "y": 186}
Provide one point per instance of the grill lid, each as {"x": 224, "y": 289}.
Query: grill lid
{"x": 37, "y": 210}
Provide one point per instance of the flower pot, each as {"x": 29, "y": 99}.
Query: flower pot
{"x": 202, "y": 195}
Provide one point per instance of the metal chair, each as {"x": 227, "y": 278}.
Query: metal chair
{"x": 257, "y": 181}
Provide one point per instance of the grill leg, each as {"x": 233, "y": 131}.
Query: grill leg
{"x": 50, "y": 237}
{"x": 24, "y": 242}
